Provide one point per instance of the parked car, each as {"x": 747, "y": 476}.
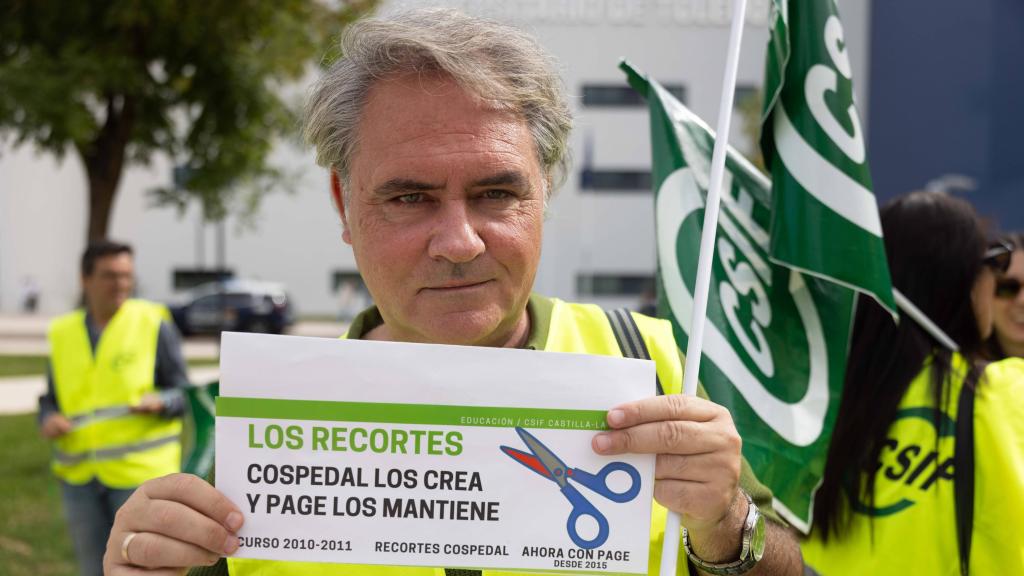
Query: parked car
{"x": 235, "y": 305}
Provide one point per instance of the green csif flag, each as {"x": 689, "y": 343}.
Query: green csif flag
{"x": 775, "y": 341}
{"x": 824, "y": 214}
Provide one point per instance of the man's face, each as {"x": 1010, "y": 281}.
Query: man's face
{"x": 110, "y": 283}
{"x": 445, "y": 213}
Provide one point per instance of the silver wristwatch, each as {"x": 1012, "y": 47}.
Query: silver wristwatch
{"x": 750, "y": 553}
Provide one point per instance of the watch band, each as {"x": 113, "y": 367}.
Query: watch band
{"x": 753, "y": 539}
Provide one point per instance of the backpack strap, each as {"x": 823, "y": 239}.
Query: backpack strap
{"x": 631, "y": 342}
{"x": 963, "y": 473}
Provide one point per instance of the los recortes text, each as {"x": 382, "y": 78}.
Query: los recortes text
{"x": 356, "y": 439}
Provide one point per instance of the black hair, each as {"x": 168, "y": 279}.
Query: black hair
{"x": 935, "y": 244}
{"x": 101, "y": 249}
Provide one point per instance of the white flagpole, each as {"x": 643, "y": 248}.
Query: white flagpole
{"x": 671, "y": 545}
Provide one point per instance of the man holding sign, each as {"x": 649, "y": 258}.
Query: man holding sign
{"x": 446, "y": 137}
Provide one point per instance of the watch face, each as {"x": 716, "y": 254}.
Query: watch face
{"x": 757, "y": 538}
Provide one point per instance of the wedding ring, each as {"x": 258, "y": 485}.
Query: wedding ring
{"x": 124, "y": 546}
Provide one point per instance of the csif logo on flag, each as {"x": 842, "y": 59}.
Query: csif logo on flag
{"x": 775, "y": 339}
{"x": 824, "y": 215}
{"x": 766, "y": 334}
{"x": 791, "y": 251}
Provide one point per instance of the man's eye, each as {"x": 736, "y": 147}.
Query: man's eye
{"x": 412, "y": 198}
{"x": 497, "y": 194}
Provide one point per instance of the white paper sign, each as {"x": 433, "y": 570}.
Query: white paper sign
{"x": 423, "y": 455}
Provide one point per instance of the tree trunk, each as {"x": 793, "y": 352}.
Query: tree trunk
{"x": 101, "y": 202}
{"x": 104, "y": 163}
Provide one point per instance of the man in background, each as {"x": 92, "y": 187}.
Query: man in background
{"x": 113, "y": 399}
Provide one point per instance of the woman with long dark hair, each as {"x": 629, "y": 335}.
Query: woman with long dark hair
{"x": 1008, "y": 309}
{"x": 898, "y": 495}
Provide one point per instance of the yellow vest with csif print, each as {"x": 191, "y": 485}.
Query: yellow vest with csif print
{"x": 95, "y": 391}
{"x": 911, "y": 526}
{"x": 581, "y": 328}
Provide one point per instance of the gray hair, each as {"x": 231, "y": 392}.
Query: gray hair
{"x": 493, "y": 61}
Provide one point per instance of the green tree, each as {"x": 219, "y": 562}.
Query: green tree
{"x": 201, "y": 81}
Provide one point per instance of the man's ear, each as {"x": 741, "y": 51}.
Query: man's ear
{"x": 338, "y": 195}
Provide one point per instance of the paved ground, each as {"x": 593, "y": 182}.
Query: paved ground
{"x": 23, "y": 325}
{"x": 20, "y": 395}
{"x": 27, "y": 335}
{"x": 36, "y": 346}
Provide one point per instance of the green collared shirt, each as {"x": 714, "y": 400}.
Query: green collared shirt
{"x": 539, "y": 308}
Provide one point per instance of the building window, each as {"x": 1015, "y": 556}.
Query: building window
{"x": 605, "y": 284}
{"x": 743, "y": 94}
{"x": 350, "y": 292}
{"x": 350, "y": 278}
{"x": 615, "y": 180}
{"x": 746, "y": 131}
{"x": 622, "y": 96}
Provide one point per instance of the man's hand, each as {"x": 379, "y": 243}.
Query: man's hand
{"x": 698, "y": 455}
{"x": 55, "y": 425}
{"x": 149, "y": 404}
{"x": 697, "y": 475}
{"x": 179, "y": 521}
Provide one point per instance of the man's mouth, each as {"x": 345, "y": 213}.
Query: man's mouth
{"x": 456, "y": 286}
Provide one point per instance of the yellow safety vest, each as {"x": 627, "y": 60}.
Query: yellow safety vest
{"x": 911, "y": 527}
{"x": 581, "y": 328}
{"x": 96, "y": 391}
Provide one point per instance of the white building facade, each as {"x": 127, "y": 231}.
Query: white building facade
{"x": 599, "y": 237}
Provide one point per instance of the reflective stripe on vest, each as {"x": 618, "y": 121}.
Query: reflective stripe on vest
{"x": 94, "y": 390}
{"x": 100, "y": 415}
{"x": 111, "y": 453}
{"x": 581, "y": 328}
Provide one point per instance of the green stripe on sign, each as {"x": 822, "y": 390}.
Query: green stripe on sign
{"x": 485, "y": 416}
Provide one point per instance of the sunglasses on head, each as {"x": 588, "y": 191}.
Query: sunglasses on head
{"x": 998, "y": 256}
{"x": 1007, "y": 288}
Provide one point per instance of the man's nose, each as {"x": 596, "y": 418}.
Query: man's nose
{"x": 455, "y": 237}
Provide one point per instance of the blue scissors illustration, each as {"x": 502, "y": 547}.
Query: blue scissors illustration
{"x": 544, "y": 462}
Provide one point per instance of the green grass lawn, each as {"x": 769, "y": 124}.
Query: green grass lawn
{"x": 13, "y": 365}
{"x": 33, "y": 537}
{"x": 22, "y": 365}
